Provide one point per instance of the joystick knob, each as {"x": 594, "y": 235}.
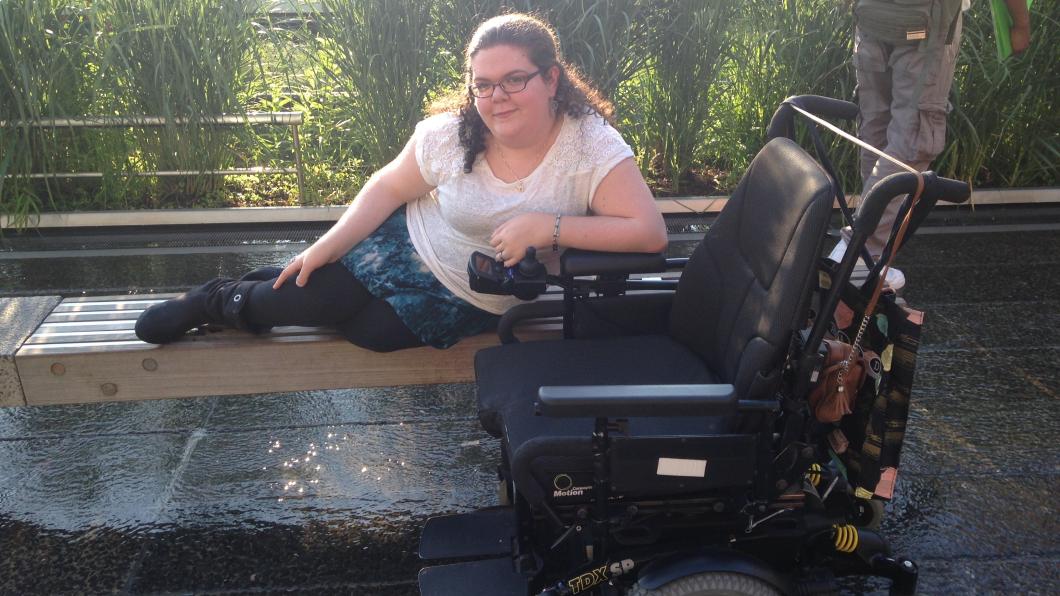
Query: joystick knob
{"x": 529, "y": 266}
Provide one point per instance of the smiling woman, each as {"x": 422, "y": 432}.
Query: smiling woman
{"x": 523, "y": 155}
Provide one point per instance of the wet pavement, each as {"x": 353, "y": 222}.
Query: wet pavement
{"x": 325, "y": 491}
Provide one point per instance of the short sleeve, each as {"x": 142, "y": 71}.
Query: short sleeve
{"x": 605, "y": 148}
{"x": 438, "y": 152}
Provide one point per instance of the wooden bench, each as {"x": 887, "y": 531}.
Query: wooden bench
{"x": 85, "y": 351}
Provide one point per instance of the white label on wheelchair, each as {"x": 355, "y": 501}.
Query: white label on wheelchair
{"x": 693, "y": 468}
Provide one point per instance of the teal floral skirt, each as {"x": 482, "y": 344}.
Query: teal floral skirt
{"x": 387, "y": 264}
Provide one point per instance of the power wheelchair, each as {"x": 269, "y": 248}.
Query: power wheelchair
{"x": 666, "y": 444}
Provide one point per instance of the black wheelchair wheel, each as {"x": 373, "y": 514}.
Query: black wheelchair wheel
{"x": 869, "y": 514}
{"x": 710, "y": 584}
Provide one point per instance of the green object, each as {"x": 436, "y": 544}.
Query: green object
{"x": 1002, "y": 25}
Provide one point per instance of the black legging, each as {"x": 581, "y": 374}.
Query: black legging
{"x": 333, "y": 297}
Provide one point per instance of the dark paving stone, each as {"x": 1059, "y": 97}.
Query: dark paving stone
{"x": 408, "y": 588}
{"x": 998, "y": 373}
{"x": 991, "y": 326}
{"x": 1010, "y": 575}
{"x": 993, "y": 575}
{"x": 343, "y": 406}
{"x": 984, "y": 414}
{"x": 38, "y": 560}
{"x": 986, "y": 282}
{"x": 320, "y": 557}
{"x": 950, "y": 517}
{"x": 103, "y": 418}
{"x": 1014, "y": 249}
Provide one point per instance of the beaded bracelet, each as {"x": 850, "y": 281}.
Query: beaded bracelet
{"x": 555, "y": 234}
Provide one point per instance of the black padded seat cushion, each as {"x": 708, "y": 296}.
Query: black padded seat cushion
{"x": 509, "y": 377}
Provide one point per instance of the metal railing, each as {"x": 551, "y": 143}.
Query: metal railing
{"x": 291, "y": 119}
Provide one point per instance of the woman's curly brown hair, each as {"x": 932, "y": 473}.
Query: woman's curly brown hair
{"x": 574, "y": 96}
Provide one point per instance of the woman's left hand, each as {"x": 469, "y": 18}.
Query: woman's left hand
{"x": 511, "y": 238}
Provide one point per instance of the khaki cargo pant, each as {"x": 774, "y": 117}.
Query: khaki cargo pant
{"x": 912, "y": 132}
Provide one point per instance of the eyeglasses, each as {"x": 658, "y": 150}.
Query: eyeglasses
{"x": 513, "y": 83}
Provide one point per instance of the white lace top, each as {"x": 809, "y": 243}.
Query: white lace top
{"x": 459, "y": 215}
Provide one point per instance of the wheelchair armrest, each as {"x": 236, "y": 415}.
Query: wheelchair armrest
{"x": 621, "y": 401}
{"x": 588, "y": 262}
{"x": 542, "y": 309}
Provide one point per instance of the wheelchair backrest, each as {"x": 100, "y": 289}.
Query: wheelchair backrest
{"x": 746, "y": 286}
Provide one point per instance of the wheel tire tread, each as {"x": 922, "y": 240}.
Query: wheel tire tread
{"x": 704, "y": 584}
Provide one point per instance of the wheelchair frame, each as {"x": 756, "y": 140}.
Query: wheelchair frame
{"x": 748, "y": 531}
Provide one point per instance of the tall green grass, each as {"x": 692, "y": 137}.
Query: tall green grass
{"x": 607, "y": 40}
{"x": 781, "y": 48}
{"x": 380, "y": 54}
{"x": 189, "y": 59}
{"x": 694, "y": 86}
{"x": 668, "y": 102}
{"x": 1005, "y": 126}
{"x": 43, "y": 49}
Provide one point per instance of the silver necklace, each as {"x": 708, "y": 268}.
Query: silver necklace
{"x": 518, "y": 181}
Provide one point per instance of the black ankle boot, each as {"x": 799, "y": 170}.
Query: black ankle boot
{"x": 217, "y": 302}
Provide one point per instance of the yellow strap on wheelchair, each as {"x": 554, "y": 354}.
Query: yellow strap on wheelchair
{"x": 846, "y": 538}
{"x": 814, "y": 474}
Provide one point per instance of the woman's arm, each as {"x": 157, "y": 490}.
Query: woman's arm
{"x": 390, "y": 187}
{"x": 1020, "y": 32}
{"x": 624, "y": 219}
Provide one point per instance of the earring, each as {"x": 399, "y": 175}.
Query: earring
{"x": 553, "y": 106}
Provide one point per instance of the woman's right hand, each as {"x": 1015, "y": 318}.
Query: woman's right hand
{"x": 303, "y": 265}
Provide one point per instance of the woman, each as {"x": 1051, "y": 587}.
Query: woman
{"x": 527, "y": 158}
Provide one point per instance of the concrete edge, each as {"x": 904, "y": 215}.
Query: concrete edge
{"x": 20, "y": 317}
{"x": 259, "y": 215}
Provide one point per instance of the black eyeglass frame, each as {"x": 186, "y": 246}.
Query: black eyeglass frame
{"x": 493, "y": 86}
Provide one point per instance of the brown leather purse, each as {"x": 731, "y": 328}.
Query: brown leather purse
{"x": 834, "y": 395}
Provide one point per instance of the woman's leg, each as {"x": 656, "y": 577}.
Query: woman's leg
{"x": 377, "y": 327}
{"x": 332, "y": 297}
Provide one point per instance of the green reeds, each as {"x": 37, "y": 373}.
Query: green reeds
{"x": 380, "y": 54}
{"x": 1005, "y": 126}
{"x": 43, "y": 47}
{"x": 691, "y": 95}
{"x": 178, "y": 59}
{"x": 668, "y": 103}
{"x": 781, "y": 48}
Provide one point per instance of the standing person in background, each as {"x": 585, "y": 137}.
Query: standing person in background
{"x": 523, "y": 155}
{"x": 903, "y": 92}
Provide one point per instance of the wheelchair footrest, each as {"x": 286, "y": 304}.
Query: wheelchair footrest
{"x": 496, "y": 577}
{"x": 482, "y": 533}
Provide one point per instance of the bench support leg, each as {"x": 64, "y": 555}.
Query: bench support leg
{"x": 19, "y": 318}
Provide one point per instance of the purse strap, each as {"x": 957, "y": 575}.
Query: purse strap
{"x": 856, "y": 347}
